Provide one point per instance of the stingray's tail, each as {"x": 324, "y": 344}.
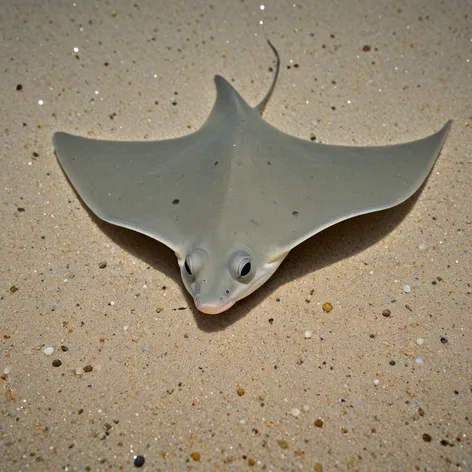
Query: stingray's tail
{"x": 263, "y": 104}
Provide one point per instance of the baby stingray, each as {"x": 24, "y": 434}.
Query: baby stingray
{"x": 233, "y": 198}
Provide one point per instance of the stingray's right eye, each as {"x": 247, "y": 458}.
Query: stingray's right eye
{"x": 187, "y": 266}
{"x": 194, "y": 261}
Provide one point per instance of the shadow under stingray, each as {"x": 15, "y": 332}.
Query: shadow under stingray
{"x": 337, "y": 242}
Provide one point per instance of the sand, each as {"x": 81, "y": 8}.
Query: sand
{"x": 276, "y": 383}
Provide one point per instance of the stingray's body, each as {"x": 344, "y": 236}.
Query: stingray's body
{"x": 233, "y": 198}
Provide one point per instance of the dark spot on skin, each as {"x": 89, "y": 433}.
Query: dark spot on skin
{"x": 227, "y": 292}
{"x": 216, "y": 163}
{"x": 295, "y": 213}
{"x": 270, "y": 163}
{"x": 176, "y": 201}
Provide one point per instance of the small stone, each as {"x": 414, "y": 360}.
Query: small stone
{"x": 102, "y": 265}
{"x": 419, "y": 341}
{"x": 319, "y": 423}
{"x": 420, "y": 411}
{"x": 283, "y": 444}
{"x": 427, "y": 437}
{"x": 64, "y": 348}
{"x": 139, "y": 461}
{"x": 318, "y": 467}
{"x": 48, "y": 351}
{"x": 308, "y": 334}
{"x": 406, "y": 288}
{"x": 195, "y": 456}
{"x": 295, "y": 412}
{"x": 386, "y": 312}
{"x": 422, "y": 247}
{"x": 88, "y": 368}
{"x": 56, "y": 363}
{"x": 444, "y": 340}
{"x": 419, "y": 360}
{"x": 376, "y": 382}
{"x": 392, "y": 362}
{"x": 240, "y": 391}
{"x": 13, "y": 289}
{"x": 251, "y": 461}
{"x": 327, "y": 307}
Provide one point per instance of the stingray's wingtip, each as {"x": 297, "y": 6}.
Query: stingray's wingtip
{"x": 218, "y": 79}
{"x": 447, "y": 126}
{"x": 444, "y": 131}
{"x": 59, "y": 136}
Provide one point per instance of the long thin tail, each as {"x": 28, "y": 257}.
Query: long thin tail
{"x": 265, "y": 100}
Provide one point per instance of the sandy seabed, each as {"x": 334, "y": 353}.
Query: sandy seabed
{"x": 136, "y": 377}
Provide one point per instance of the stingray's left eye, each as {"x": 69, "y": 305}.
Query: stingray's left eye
{"x": 240, "y": 265}
{"x": 244, "y": 267}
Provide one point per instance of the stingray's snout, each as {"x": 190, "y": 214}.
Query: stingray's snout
{"x": 213, "y": 307}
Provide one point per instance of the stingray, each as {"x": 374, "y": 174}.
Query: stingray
{"x": 233, "y": 198}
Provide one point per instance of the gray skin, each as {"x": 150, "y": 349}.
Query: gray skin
{"x": 232, "y": 199}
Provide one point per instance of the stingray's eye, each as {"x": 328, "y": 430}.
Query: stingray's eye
{"x": 194, "y": 261}
{"x": 240, "y": 265}
{"x": 187, "y": 266}
{"x": 244, "y": 267}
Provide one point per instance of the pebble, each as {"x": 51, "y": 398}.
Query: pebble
{"x": 295, "y": 412}
{"x": 56, "y": 363}
{"x": 376, "y": 382}
{"x": 406, "y": 288}
{"x": 88, "y": 368}
{"x": 422, "y": 247}
{"x": 386, "y": 312}
{"x": 308, "y": 334}
{"x": 419, "y": 341}
{"x": 49, "y": 351}
{"x": 139, "y": 461}
{"x": 102, "y": 265}
{"x": 419, "y": 360}
{"x": 327, "y": 307}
